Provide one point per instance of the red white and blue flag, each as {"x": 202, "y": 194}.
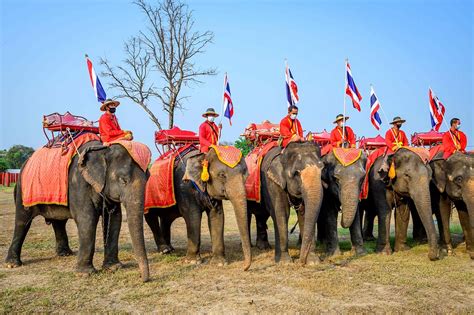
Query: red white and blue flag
{"x": 351, "y": 88}
{"x": 96, "y": 85}
{"x": 291, "y": 88}
{"x": 374, "y": 108}
{"x": 228, "y": 105}
{"x": 436, "y": 111}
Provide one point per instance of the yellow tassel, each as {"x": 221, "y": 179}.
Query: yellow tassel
{"x": 391, "y": 171}
{"x": 310, "y": 137}
{"x": 205, "y": 172}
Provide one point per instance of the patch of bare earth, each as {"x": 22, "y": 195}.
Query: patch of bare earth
{"x": 403, "y": 282}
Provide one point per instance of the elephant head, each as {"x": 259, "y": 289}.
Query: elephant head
{"x": 344, "y": 183}
{"x": 112, "y": 172}
{"x": 298, "y": 171}
{"x": 225, "y": 182}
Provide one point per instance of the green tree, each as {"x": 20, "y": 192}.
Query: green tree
{"x": 17, "y": 155}
{"x": 3, "y": 165}
{"x": 243, "y": 145}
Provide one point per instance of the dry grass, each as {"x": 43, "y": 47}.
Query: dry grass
{"x": 403, "y": 282}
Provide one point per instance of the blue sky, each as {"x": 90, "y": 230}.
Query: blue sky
{"x": 401, "y": 47}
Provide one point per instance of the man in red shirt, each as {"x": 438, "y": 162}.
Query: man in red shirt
{"x": 109, "y": 127}
{"x": 290, "y": 127}
{"x": 454, "y": 139}
{"x": 394, "y": 137}
{"x": 209, "y": 132}
{"x": 337, "y": 139}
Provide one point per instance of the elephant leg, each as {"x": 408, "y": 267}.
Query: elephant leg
{"x": 153, "y": 222}
{"x": 192, "y": 216}
{"x": 443, "y": 217}
{"x": 332, "y": 239}
{"x": 280, "y": 217}
{"x": 166, "y": 222}
{"x": 384, "y": 214}
{"x": 356, "y": 236}
{"x": 23, "y": 220}
{"x": 368, "y": 229}
{"x": 262, "y": 235}
{"x": 419, "y": 232}
{"x": 464, "y": 220}
{"x": 112, "y": 225}
{"x": 215, "y": 220}
{"x": 86, "y": 219}
{"x": 62, "y": 242}
{"x": 402, "y": 218}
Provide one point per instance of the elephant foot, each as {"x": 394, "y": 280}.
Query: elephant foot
{"x": 165, "y": 249}
{"x": 85, "y": 271}
{"x": 420, "y": 240}
{"x": 433, "y": 254}
{"x": 193, "y": 260}
{"x": 332, "y": 252}
{"x": 112, "y": 266}
{"x": 359, "y": 250}
{"x": 312, "y": 259}
{"x": 369, "y": 238}
{"x": 285, "y": 259}
{"x": 64, "y": 252}
{"x": 13, "y": 262}
{"x": 219, "y": 261}
{"x": 263, "y": 245}
{"x": 401, "y": 247}
{"x": 384, "y": 249}
{"x": 471, "y": 254}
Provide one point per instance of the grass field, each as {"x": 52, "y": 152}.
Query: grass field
{"x": 403, "y": 282}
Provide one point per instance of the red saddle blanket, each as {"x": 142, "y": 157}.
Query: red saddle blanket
{"x": 254, "y": 161}
{"x": 159, "y": 192}
{"x": 44, "y": 179}
{"x": 139, "y": 152}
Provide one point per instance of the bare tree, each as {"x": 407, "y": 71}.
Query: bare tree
{"x": 167, "y": 46}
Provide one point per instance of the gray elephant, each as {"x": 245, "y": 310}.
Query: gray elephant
{"x": 193, "y": 196}
{"x": 293, "y": 177}
{"x": 101, "y": 179}
{"x": 411, "y": 182}
{"x": 342, "y": 193}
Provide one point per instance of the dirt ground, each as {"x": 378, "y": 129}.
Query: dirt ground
{"x": 403, "y": 282}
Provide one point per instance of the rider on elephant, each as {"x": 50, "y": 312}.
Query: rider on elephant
{"x": 395, "y": 137}
{"x": 290, "y": 127}
{"x": 109, "y": 127}
{"x": 342, "y": 137}
{"x": 454, "y": 139}
{"x": 209, "y": 132}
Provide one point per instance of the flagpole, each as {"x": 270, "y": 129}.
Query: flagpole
{"x": 222, "y": 108}
{"x": 444, "y": 120}
{"x": 384, "y": 115}
{"x": 287, "y": 82}
{"x": 344, "y": 111}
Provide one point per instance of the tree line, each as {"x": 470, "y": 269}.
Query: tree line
{"x": 14, "y": 157}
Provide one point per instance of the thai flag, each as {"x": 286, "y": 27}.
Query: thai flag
{"x": 291, "y": 88}
{"x": 374, "y": 108}
{"x": 229, "y": 107}
{"x": 436, "y": 111}
{"x": 96, "y": 85}
{"x": 351, "y": 88}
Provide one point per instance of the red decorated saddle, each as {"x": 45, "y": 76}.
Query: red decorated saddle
{"x": 427, "y": 138}
{"x": 260, "y": 133}
{"x": 139, "y": 152}
{"x": 322, "y": 138}
{"x": 373, "y": 156}
{"x": 254, "y": 161}
{"x": 372, "y": 143}
{"x": 44, "y": 178}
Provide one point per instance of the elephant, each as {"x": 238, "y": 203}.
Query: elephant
{"x": 292, "y": 177}
{"x": 342, "y": 192}
{"x": 410, "y": 183}
{"x": 193, "y": 196}
{"x": 101, "y": 180}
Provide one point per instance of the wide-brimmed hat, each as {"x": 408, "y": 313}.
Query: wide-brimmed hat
{"x": 108, "y": 102}
{"x": 340, "y": 117}
{"x": 210, "y": 112}
{"x": 397, "y": 119}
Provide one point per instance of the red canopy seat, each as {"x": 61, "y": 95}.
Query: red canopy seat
{"x": 66, "y": 127}
{"x": 372, "y": 143}
{"x": 430, "y": 138}
{"x": 174, "y": 138}
{"x": 322, "y": 138}
{"x": 260, "y": 133}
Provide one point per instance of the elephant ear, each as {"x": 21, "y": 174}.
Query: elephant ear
{"x": 275, "y": 173}
{"x": 194, "y": 170}
{"x": 439, "y": 175}
{"x": 93, "y": 166}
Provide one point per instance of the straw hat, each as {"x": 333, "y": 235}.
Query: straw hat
{"x": 210, "y": 112}
{"x": 340, "y": 117}
{"x": 397, "y": 119}
{"x": 108, "y": 102}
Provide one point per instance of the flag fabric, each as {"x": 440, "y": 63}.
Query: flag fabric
{"x": 374, "y": 108}
{"x": 228, "y": 105}
{"x": 291, "y": 88}
{"x": 351, "y": 88}
{"x": 437, "y": 110}
{"x": 96, "y": 85}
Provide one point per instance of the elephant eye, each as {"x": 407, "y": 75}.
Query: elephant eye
{"x": 221, "y": 175}
{"x": 124, "y": 180}
{"x": 458, "y": 180}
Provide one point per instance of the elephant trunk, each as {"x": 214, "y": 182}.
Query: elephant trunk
{"x": 134, "y": 206}
{"x": 237, "y": 197}
{"x": 312, "y": 192}
{"x": 421, "y": 198}
{"x": 349, "y": 202}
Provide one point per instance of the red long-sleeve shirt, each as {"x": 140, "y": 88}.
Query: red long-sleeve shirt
{"x": 454, "y": 141}
{"x": 337, "y": 140}
{"x": 289, "y": 128}
{"x": 394, "y": 136}
{"x": 109, "y": 128}
{"x": 208, "y": 135}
